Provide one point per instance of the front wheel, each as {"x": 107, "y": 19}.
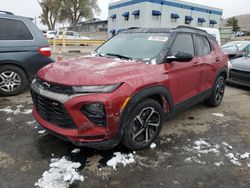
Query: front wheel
{"x": 143, "y": 125}
{"x": 218, "y": 93}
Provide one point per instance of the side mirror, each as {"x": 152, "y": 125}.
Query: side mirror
{"x": 181, "y": 56}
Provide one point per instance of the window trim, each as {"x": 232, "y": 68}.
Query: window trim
{"x": 175, "y": 37}
{"x": 19, "y": 40}
{"x": 196, "y": 45}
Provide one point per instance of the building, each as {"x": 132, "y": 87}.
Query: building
{"x": 160, "y": 13}
{"x": 95, "y": 25}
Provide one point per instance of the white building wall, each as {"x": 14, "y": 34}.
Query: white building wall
{"x": 146, "y": 19}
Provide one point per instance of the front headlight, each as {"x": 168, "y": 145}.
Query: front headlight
{"x": 96, "y": 89}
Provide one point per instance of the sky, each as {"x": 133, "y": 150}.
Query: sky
{"x": 31, "y": 8}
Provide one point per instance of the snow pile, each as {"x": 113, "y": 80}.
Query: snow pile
{"x": 120, "y": 158}
{"x": 233, "y": 158}
{"x": 219, "y": 163}
{"x": 218, "y": 114}
{"x": 42, "y": 131}
{"x": 153, "y": 145}
{"x": 74, "y": 151}
{"x": 19, "y": 110}
{"x": 204, "y": 147}
{"x": 62, "y": 174}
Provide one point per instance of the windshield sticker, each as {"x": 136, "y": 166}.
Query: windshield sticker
{"x": 158, "y": 38}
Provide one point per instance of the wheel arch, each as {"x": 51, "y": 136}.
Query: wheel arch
{"x": 159, "y": 93}
{"x": 14, "y": 64}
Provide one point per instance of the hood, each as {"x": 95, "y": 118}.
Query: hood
{"x": 93, "y": 71}
{"x": 242, "y": 64}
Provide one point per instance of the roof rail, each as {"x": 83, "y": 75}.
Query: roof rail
{"x": 190, "y": 28}
{"x": 6, "y": 12}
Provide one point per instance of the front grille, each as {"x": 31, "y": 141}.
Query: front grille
{"x": 240, "y": 76}
{"x": 52, "y": 111}
{"x": 56, "y": 88}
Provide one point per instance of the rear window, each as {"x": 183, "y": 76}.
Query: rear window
{"x": 14, "y": 30}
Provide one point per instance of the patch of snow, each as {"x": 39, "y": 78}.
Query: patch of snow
{"x": 75, "y": 151}
{"x": 226, "y": 144}
{"x": 245, "y": 155}
{"x": 248, "y": 165}
{"x": 30, "y": 122}
{"x": 62, "y": 174}
{"x": 218, "y": 114}
{"x": 233, "y": 159}
{"x": 41, "y": 131}
{"x": 194, "y": 159}
{"x": 176, "y": 182}
{"x": 219, "y": 163}
{"x": 17, "y": 111}
{"x": 120, "y": 158}
{"x": 9, "y": 119}
{"x": 153, "y": 145}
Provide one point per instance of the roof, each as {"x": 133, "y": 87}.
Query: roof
{"x": 165, "y": 30}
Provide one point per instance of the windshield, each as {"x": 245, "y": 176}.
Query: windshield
{"x": 143, "y": 46}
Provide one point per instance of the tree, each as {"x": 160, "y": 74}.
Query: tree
{"x": 74, "y": 10}
{"x": 234, "y": 23}
{"x": 51, "y": 11}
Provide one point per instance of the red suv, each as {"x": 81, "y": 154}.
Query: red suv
{"x": 129, "y": 86}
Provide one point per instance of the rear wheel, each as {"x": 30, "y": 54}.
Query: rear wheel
{"x": 12, "y": 80}
{"x": 143, "y": 125}
{"x": 218, "y": 93}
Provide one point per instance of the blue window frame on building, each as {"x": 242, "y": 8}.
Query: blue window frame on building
{"x": 136, "y": 13}
{"x": 212, "y": 23}
{"x": 174, "y": 17}
{"x": 201, "y": 21}
{"x": 113, "y": 17}
{"x": 126, "y": 16}
{"x": 188, "y": 20}
{"x": 156, "y": 14}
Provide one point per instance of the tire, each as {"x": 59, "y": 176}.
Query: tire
{"x": 218, "y": 93}
{"x": 143, "y": 125}
{"x": 13, "y": 80}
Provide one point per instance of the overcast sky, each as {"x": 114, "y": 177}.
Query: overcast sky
{"x": 32, "y": 9}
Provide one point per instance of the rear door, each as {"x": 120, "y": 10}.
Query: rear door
{"x": 184, "y": 76}
{"x": 208, "y": 58}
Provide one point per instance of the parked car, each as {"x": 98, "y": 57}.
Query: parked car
{"x": 71, "y": 35}
{"x": 23, "y": 49}
{"x": 132, "y": 83}
{"x": 50, "y": 34}
{"x": 239, "y": 72}
{"x": 240, "y": 34}
{"x": 236, "y": 48}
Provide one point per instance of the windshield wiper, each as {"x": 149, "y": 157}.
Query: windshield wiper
{"x": 119, "y": 56}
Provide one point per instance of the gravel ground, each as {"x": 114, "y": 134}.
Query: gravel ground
{"x": 196, "y": 148}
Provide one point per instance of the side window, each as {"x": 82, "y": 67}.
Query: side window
{"x": 14, "y": 30}
{"x": 202, "y": 45}
{"x": 183, "y": 42}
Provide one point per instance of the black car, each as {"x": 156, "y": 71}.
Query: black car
{"x": 23, "y": 51}
{"x": 239, "y": 72}
{"x": 236, "y": 49}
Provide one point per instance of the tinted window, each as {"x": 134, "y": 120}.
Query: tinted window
{"x": 14, "y": 30}
{"x": 203, "y": 46}
{"x": 183, "y": 42}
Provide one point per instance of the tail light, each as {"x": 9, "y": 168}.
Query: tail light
{"x": 45, "y": 51}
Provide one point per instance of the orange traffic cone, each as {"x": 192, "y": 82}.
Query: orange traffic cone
{"x": 59, "y": 56}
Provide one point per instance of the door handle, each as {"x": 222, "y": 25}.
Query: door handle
{"x": 196, "y": 63}
{"x": 217, "y": 59}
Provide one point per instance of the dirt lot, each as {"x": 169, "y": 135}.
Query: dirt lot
{"x": 191, "y": 152}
